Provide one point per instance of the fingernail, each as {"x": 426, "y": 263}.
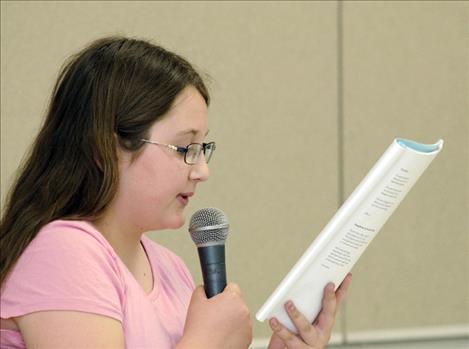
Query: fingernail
{"x": 290, "y": 306}
{"x": 274, "y": 322}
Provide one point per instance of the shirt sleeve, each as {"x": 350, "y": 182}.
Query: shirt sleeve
{"x": 64, "y": 268}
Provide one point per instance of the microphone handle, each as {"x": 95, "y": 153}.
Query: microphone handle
{"x": 212, "y": 262}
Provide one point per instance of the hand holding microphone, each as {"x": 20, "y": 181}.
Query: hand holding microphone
{"x": 217, "y": 316}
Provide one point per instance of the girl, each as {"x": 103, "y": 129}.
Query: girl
{"x": 121, "y": 152}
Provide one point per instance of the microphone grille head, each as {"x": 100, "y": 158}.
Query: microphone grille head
{"x": 209, "y": 226}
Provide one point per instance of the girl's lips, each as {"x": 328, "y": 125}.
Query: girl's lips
{"x": 184, "y": 198}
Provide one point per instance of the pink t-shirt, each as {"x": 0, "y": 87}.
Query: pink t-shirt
{"x": 70, "y": 266}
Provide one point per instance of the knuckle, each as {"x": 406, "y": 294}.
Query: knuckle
{"x": 305, "y": 328}
{"x": 246, "y": 310}
{"x": 231, "y": 295}
{"x": 233, "y": 287}
{"x": 250, "y": 336}
{"x": 245, "y": 313}
{"x": 288, "y": 336}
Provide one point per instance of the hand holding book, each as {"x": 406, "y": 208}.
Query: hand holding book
{"x": 309, "y": 335}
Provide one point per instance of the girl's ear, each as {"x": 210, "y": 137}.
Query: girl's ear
{"x": 123, "y": 155}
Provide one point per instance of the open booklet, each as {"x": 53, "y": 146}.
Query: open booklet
{"x": 342, "y": 241}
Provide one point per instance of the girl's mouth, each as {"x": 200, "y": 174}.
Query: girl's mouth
{"x": 183, "y": 198}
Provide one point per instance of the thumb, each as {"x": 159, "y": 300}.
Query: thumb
{"x": 276, "y": 342}
{"x": 232, "y": 287}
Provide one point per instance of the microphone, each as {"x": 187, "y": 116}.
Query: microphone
{"x": 209, "y": 229}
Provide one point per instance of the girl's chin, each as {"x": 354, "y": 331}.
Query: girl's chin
{"x": 171, "y": 219}
{"x": 175, "y": 222}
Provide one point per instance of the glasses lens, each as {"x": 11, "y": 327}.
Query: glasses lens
{"x": 193, "y": 153}
{"x": 195, "y": 149}
{"x": 208, "y": 150}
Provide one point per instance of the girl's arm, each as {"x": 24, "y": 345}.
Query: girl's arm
{"x": 70, "y": 329}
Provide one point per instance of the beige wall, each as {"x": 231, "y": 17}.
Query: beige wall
{"x": 406, "y": 73}
{"x": 282, "y": 105}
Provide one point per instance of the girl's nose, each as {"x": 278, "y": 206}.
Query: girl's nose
{"x": 200, "y": 171}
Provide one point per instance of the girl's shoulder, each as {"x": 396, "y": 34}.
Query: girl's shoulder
{"x": 71, "y": 231}
{"x": 66, "y": 238}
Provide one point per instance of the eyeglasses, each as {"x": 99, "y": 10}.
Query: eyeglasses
{"x": 191, "y": 152}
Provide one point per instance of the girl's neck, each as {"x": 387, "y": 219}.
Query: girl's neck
{"x": 125, "y": 240}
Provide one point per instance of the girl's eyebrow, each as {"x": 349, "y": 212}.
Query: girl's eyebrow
{"x": 191, "y": 131}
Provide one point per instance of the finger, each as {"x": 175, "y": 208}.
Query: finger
{"x": 289, "y": 339}
{"x": 329, "y": 301}
{"x": 342, "y": 290}
{"x": 326, "y": 317}
{"x": 305, "y": 329}
{"x": 276, "y": 342}
{"x": 232, "y": 287}
{"x": 199, "y": 292}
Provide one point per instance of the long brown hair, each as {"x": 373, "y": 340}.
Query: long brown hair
{"x": 108, "y": 94}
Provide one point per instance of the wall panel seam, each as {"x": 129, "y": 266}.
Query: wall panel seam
{"x": 340, "y": 137}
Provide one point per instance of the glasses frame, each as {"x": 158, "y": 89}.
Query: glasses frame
{"x": 185, "y": 150}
